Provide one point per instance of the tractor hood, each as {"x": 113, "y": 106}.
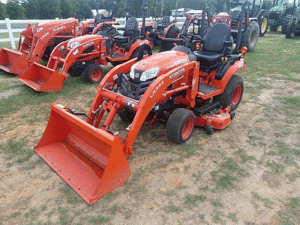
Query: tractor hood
{"x": 278, "y": 8}
{"x": 54, "y": 23}
{"x": 155, "y": 65}
{"x": 74, "y": 42}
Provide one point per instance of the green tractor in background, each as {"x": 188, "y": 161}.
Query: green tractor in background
{"x": 293, "y": 27}
{"x": 278, "y": 14}
{"x": 257, "y": 9}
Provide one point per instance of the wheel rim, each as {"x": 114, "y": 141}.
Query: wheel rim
{"x": 187, "y": 128}
{"x": 264, "y": 25}
{"x": 236, "y": 95}
{"x": 96, "y": 74}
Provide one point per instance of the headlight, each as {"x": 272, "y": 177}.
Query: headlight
{"x": 73, "y": 44}
{"x": 149, "y": 74}
{"x": 132, "y": 71}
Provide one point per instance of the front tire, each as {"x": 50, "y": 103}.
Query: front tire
{"x": 180, "y": 125}
{"x": 232, "y": 94}
{"x": 93, "y": 73}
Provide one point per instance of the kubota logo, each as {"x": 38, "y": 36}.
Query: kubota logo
{"x": 59, "y": 28}
{"x": 88, "y": 44}
{"x": 156, "y": 88}
{"x": 177, "y": 73}
{"x": 45, "y": 35}
{"x": 178, "y": 62}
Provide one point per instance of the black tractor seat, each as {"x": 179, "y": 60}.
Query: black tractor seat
{"x": 217, "y": 45}
{"x": 131, "y": 30}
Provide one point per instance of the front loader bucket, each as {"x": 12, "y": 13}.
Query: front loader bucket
{"x": 90, "y": 160}
{"x": 13, "y": 61}
{"x": 42, "y": 78}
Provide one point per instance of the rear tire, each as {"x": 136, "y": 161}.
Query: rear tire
{"x": 250, "y": 36}
{"x": 263, "y": 23}
{"x": 173, "y": 32}
{"x": 93, "y": 73}
{"x": 233, "y": 93}
{"x": 180, "y": 125}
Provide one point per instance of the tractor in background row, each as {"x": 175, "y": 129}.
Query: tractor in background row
{"x": 193, "y": 24}
{"x": 85, "y": 55}
{"x": 293, "y": 27}
{"x": 250, "y": 27}
{"x": 257, "y": 9}
{"x": 38, "y": 42}
{"x": 278, "y": 15}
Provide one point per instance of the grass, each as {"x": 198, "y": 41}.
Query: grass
{"x": 16, "y": 149}
{"x": 267, "y": 202}
{"x": 291, "y": 216}
{"x": 190, "y": 200}
{"x": 228, "y": 173}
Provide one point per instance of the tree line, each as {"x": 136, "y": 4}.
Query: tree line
{"x": 50, "y": 9}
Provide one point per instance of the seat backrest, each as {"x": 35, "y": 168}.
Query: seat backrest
{"x": 165, "y": 21}
{"x": 131, "y": 27}
{"x": 215, "y": 38}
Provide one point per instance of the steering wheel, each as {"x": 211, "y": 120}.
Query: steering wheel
{"x": 193, "y": 36}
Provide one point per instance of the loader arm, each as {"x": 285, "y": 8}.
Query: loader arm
{"x": 25, "y": 44}
{"x": 42, "y": 38}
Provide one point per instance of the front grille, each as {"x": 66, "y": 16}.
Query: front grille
{"x": 130, "y": 89}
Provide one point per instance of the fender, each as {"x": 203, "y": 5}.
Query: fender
{"x": 238, "y": 65}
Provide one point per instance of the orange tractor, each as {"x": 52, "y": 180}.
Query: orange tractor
{"x": 185, "y": 88}
{"x": 86, "y": 54}
{"x": 38, "y": 42}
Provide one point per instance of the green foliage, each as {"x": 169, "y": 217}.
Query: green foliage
{"x": 67, "y": 8}
{"x": 83, "y": 9}
{"x": 49, "y": 9}
{"x": 32, "y": 9}
{"x": 14, "y": 10}
{"x": 2, "y": 11}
